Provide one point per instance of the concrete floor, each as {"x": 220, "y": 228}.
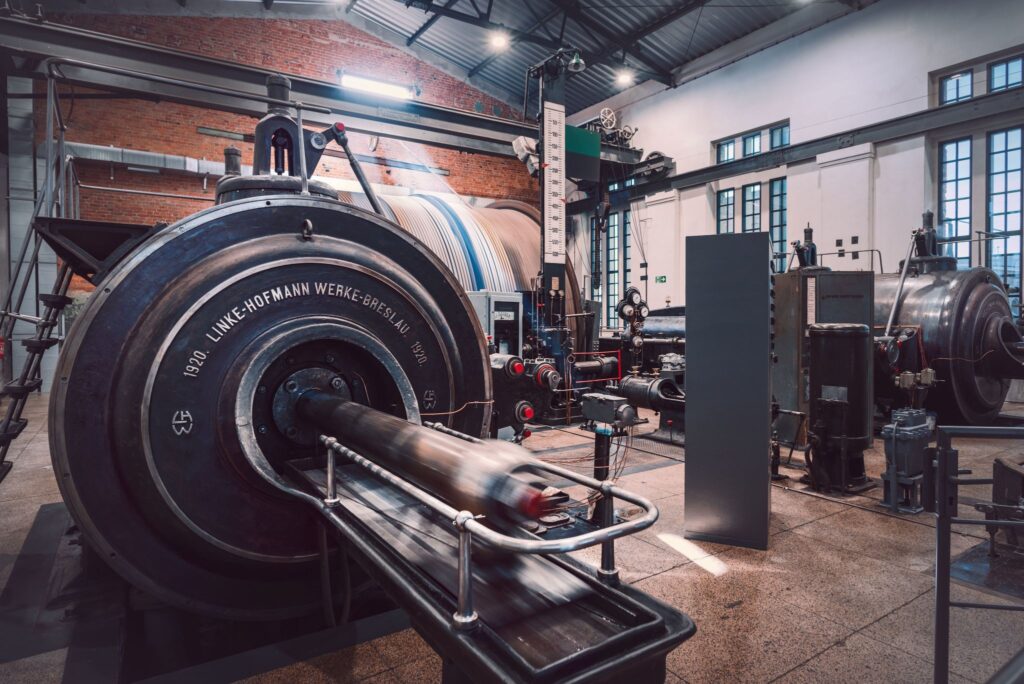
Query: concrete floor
{"x": 843, "y": 594}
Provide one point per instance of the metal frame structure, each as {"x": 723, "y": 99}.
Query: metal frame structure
{"x": 918, "y": 123}
{"x": 120, "y": 65}
{"x": 238, "y": 89}
{"x": 947, "y": 482}
{"x": 59, "y": 198}
{"x": 466, "y": 524}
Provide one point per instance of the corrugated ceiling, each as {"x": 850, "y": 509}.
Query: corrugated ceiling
{"x": 697, "y": 28}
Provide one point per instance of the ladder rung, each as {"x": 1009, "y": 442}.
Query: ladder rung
{"x": 55, "y": 301}
{"x": 35, "y": 346}
{"x": 10, "y": 432}
{"x": 18, "y": 390}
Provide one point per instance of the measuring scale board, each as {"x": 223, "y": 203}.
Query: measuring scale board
{"x": 553, "y": 207}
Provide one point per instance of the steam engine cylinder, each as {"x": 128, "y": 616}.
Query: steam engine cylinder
{"x": 967, "y": 334}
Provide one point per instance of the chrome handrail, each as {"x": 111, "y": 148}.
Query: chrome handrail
{"x": 466, "y": 524}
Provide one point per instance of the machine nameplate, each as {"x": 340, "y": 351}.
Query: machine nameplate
{"x": 504, "y": 315}
{"x": 834, "y": 392}
{"x": 257, "y": 301}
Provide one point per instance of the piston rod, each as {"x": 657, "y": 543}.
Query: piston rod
{"x": 491, "y": 478}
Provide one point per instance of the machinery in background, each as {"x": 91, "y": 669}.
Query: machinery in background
{"x": 606, "y": 124}
{"x": 840, "y": 406}
{"x": 804, "y": 296}
{"x": 1007, "y": 504}
{"x": 501, "y": 315}
{"x": 906, "y": 440}
{"x": 948, "y": 342}
{"x": 646, "y": 369}
{"x": 522, "y": 387}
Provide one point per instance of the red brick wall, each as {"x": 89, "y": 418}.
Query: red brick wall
{"x": 318, "y": 49}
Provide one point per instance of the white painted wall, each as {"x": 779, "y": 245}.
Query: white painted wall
{"x": 866, "y": 67}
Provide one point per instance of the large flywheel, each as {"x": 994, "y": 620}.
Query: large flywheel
{"x": 257, "y": 293}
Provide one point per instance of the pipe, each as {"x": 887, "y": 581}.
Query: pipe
{"x": 151, "y": 193}
{"x": 899, "y": 288}
{"x": 601, "y": 366}
{"x": 489, "y": 479}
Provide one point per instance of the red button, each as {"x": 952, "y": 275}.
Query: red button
{"x": 340, "y": 127}
{"x": 518, "y": 368}
{"x": 527, "y": 412}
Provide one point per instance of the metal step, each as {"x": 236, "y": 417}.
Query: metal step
{"x": 20, "y": 390}
{"x": 11, "y": 432}
{"x": 55, "y": 301}
{"x": 38, "y": 346}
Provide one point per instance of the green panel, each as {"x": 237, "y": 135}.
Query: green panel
{"x": 582, "y": 142}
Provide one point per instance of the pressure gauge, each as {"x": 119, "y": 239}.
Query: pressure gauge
{"x": 645, "y": 311}
{"x": 635, "y": 297}
{"x": 628, "y": 310}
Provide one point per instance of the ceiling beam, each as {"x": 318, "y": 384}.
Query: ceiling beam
{"x": 682, "y": 9}
{"x": 427, "y": 24}
{"x": 484, "y": 63}
{"x": 626, "y": 44}
{"x": 480, "y": 22}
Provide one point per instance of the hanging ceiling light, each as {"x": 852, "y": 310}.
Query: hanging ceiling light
{"x": 576, "y": 64}
{"x": 624, "y": 78}
{"x": 499, "y": 40}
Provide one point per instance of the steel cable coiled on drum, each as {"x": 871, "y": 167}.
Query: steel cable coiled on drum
{"x": 495, "y": 248}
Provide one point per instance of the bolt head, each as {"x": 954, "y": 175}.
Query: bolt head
{"x": 337, "y": 383}
{"x": 291, "y": 386}
{"x": 262, "y": 429}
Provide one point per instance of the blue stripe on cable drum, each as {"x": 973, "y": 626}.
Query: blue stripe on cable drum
{"x": 496, "y": 247}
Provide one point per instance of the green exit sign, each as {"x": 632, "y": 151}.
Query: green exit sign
{"x": 661, "y": 279}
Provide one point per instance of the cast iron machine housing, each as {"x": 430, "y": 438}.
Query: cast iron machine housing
{"x": 949, "y": 342}
{"x": 841, "y": 406}
{"x": 282, "y": 362}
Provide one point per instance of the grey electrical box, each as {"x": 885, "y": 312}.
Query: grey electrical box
{"x": 728, "y": 388}
{"x": 501, "y": 317}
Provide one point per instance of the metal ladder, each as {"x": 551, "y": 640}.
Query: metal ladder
{"x": 59, "y": 197}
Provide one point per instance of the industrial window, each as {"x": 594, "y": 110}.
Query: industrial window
{"x": 752, "y": 144}
{"x": 777, "y": 221}
{"x": 955, "y": 200}
{"x": 726, "y": 151}
{"x": 1006, "y": 74}
{"x": 752, "y": 208}
{"x": 956, "y": 88}
{"x": 595, "y": 259}
{"x": 1003, "y": 254}
{"x": 726, "y": 211}
{"x": 779, "y": 136}
{"x": 612, "y": 270}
